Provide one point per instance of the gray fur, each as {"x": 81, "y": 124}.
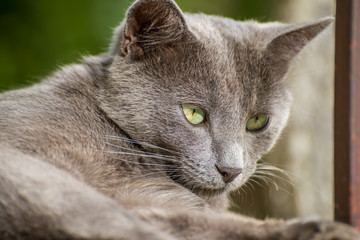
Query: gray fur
{"x": 102, "y": 150}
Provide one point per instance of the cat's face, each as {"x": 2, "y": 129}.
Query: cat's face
{"x": 230, "y": 72}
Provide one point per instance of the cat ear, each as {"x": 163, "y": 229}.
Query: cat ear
{"x": 152, "y": 25}
{"x": 291, "y": 39}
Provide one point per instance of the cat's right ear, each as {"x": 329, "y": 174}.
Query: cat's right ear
{"x": 151, "y": 25}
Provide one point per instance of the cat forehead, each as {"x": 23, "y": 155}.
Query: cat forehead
{"x": 216, "y": 30}
{"x": 233, "y": 48}
{"x": 234, "y": 59}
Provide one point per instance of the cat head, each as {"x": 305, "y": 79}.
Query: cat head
{"x": 211, "y": 89}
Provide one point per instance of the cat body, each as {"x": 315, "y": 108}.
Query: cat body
{"x": 103, "y": 150}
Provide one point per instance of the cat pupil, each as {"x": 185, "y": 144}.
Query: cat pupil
{"x": 193, "y": 111}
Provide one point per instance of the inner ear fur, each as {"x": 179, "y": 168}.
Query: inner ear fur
{"x": 152, "y": 25}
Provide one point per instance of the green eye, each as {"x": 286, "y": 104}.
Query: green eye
{"x": 193, "y": 114}
{"x": 257, "y": 123}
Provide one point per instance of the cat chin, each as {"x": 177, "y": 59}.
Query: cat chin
{"x": 207, "y": 190}
{"x": 199, "y": 188}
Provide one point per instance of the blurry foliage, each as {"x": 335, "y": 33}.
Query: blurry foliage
{"x": 38, "y": 36}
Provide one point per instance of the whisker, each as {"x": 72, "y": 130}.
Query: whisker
{"x": 139, "y": 163}
{"x": 266, "y": 169}
{"x": 257, "y": 182}
{"x": 268, "y": 180}
{"x": 141, "y": 143}
{"x": 274, "y": 176}
{"x": 142, "y": 152}
{"x": 152, "y": 174}
{"x": 142, "y": 155}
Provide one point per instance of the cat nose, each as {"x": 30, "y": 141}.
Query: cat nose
{"x": 228, "y": 174}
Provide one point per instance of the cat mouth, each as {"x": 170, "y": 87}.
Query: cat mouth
{"x": 211, "y": 185}
{"x": 197, "y": 187}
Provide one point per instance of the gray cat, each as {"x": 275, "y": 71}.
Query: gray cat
{"x": 145, "y": 141}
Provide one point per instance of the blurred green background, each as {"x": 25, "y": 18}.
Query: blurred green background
{"x": 38, "y": 36}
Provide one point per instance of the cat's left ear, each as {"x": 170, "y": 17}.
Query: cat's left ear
{"x": 291, "y": 39}
{"x": 152, "y": 25}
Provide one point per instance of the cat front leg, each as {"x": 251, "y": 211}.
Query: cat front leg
{"x": 317, "y": 229}
{"x": 41, "y": 201}
{"x": 218, "y": 226}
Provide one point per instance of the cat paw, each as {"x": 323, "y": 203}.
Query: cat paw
{"x": 319, "y": 230}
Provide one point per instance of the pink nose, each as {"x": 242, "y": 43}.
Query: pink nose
{"x": 228, "y": 174}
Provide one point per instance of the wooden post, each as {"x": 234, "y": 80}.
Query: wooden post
{"x": 347, "y": 112}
